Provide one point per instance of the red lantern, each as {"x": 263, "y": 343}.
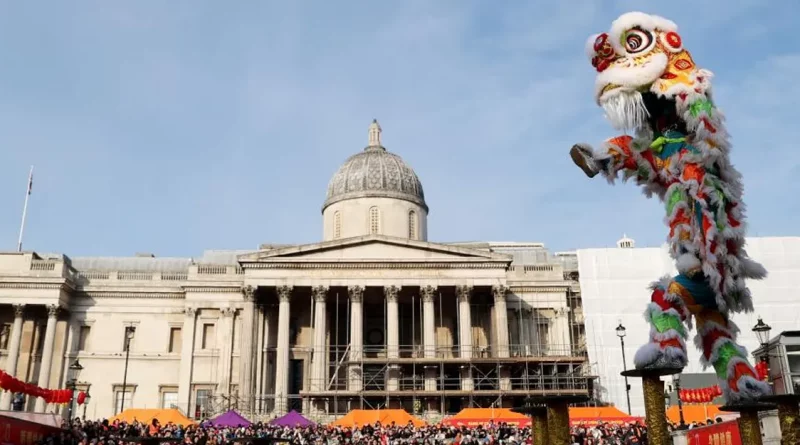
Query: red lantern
{"x": 762, "y": 369}
{"x": 81, "y": 398}
{"x": 4, "y": 379}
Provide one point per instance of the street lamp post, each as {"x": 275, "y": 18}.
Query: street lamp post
{"x": 72, "y": 383}
{"x": 129, "y": 331}
{"x": 762, "y": 331}
{"x": 621, "y": 334}
{"x": 677, "y": 380}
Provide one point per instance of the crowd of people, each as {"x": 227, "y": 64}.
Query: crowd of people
{"x": 116, "y": 433}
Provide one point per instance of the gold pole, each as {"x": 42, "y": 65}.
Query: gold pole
{"x": 655, "y": 411}
{"x": 558, "y": 423}
{"x": 788, "y": 416}
{"x": 790, "y": 425}
{"x": 539, "y": 428}
{"x": 749, "y": 427}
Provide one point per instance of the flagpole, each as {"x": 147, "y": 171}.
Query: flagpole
{"x": 25, "y": 210}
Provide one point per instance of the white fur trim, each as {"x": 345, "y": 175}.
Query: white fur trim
{"x": 628, "y": 75}
{"x": 646, "y": 355}
{"x": 687, "y": 262}
{"x": 645, "y": 21}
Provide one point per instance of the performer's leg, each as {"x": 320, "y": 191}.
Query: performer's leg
{"x": 716, "y": 338}
{"x": 666, "y": 314}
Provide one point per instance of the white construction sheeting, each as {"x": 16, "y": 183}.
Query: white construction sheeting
{"x": 614, "y": 288}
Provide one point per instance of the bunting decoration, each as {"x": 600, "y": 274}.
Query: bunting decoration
{"x": 55, "y": 396}
{"x": 700, "y": 395}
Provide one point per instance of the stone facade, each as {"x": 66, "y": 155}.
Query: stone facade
{"x": 368, "y": 317}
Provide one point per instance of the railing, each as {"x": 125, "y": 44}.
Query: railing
{"x": 410, "y": 352}
{"x": 43, "y": 265}
{"x": 102, "y": 275}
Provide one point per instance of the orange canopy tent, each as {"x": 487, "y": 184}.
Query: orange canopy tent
{"x": 594, "y": 415}
{"x": 695, "y": 413}
{"x": 482, "y": 416}
{"x": 360, "y": 417}
{"x": 146, "y": 416}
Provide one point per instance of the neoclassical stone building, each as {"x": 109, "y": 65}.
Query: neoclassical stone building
{"x": 374, "y": 315}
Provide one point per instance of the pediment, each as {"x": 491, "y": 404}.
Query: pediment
{"x": 374, "y": 248}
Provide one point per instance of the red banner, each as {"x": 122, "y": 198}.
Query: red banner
{"x": 725, "y": 433}
{"x": 20, "y": 432}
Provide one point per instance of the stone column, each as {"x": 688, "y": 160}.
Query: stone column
{"x": 258, "y": 374}
{"x": 226, "y": 351}
{"x": 319, "y": 359}
{"x": 246, "y": 353}
{"x": 47, "y": 354}
{"x": 501, "y": 320}
{"x": 187, "y": 359}
{"x": 463, "y": 294}
{"x": 354, "y": 373}
{"x": 282, "y": 354}
{"x": 501, "y": 334}
{"x": 14, "y": 342}
{"x": 428, "y": 295}
{"x": 561, "y": 328}
{"x": 392, "y": 294}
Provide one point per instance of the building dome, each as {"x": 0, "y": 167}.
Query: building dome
{"x": 374, "y": 173}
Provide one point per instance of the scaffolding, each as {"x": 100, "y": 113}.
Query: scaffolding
{"x": 450, "y": 376}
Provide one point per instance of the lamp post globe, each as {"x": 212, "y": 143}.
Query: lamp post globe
{"x": 762, "y": 331}
{"x": 75, "y": 369}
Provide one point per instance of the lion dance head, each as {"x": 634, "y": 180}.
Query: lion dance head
{"x": 641, "y": 65}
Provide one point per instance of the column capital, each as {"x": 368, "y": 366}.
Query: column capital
{"x": 52, "y": 310}
{"x": 500, "y": 292}
{"x": 463, "y": 292}
{"x": 427, "y": 293}
{"x": 19, "y": 310}
{"x": 356, "y": 293}
{"x": 284, "y": 293}
{"x": 227, "y": 311}
{"x": 320, "y": 293}
{"x": 249, "y": 293}
{"x": 190, "y": 311}
{"x": 391, "y": 293}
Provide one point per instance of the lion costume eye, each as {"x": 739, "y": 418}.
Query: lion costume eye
{"x": 637, "y": 41}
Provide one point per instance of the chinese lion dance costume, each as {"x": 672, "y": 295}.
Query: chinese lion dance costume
{"x": 648, "y": 85}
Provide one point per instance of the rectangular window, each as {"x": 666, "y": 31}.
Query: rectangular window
{"x": 175, "y": 340}
{"x": 169, "y": 399}
{"x": 83, "y": 338}
{"x": 543, "y": 330}
{"x": 201, "y": 403}
{"x": 121, "y": 403}
{"x": 208, "y": 340}
{"x": 127, "y": 340}
{"x": 5, "y": 334}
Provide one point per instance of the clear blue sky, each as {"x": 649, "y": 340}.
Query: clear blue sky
{"x": 174, "y": 127}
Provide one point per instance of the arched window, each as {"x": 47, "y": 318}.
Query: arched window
{"x": 374, "y": 221}
{"x": 337, "y": 225}
{"x": 412, "y": 224}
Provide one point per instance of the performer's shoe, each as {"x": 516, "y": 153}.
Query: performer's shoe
{"x": 583, "y": 157}
{"x": 655, "y": 356}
